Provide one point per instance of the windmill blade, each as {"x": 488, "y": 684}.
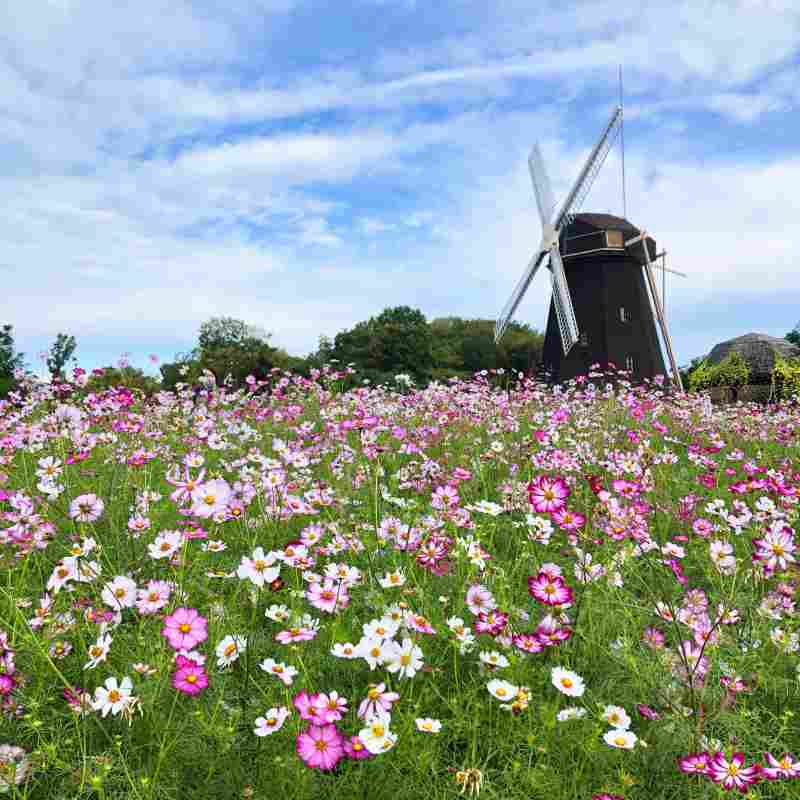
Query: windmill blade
{"x": 567, "y": 324}
{"x": 541, "y": 185}
{"x": 590, "y": 169}
{"x": 516, "y": 296}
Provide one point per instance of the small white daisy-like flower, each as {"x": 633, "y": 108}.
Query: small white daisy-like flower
{"x": 573, "y": 712}
{"x": 428, "y": 725}
{"x": 620, "y": 738}
{"x": 567, "y": 682}
{"x": 344, "y": 650}
{"x": 493, "y": 659}
{"x": 502, "y": 690}
{"x": 271, "y": 721}
{"x": 229, "y": 649}
{"x": 616, "y": 717}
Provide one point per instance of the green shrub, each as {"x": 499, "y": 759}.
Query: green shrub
{"x": 733, "y": 370}
{"x": 786, "y": 378}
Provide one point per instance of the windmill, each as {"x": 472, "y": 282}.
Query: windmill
{"x": 607, "y": 259}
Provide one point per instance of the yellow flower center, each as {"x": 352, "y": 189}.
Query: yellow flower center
{"x": 620, "y": 741}
{"x": 375, "y": 652}
{"x": 230, "y": 649}
{"x": 114, "y": 696}
{"x": 500, "y": 691}
{"x": 191, "y": 678}
{"x": 321, "y": 745}
{"x": 566, "y": 683}
{"x": 377, "y": 730}
{"x": 184, "y": 627}
{"x": 209, "y": 499}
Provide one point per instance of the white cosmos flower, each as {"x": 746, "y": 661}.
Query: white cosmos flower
{"x": 620, "y": 738}
{"x": 119, "y": 593}
{"x": 271, "y": 721}
{"x": 616, "y": 717}
{"x": 112, "y": 696}
{"x": 377, "y": 737}
{"x": 283, "y": 672}
{"x": 98, "y": 651}
{"x": 344, "y": 650}
{"x": 229, "y": 649}
{"x": 259, "y": 569}
{"x": 567, "y": 682}
{"x": 493, "y": 659}
{"x": 502, "y": 690}
{"x": 405, "y": 659}
{"x": 428, "y": 725}
{"x": 572, "y": 712}
{"x": 392, "y": 579}
{"x": 373, "y": 651}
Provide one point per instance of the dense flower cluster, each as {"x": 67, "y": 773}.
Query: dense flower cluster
{"x": 459, "y": 550}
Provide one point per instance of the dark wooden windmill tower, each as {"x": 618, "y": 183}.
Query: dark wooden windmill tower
{"x": 605, "y": 303}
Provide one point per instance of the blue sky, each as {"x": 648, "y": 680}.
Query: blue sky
{"x": 302, "y": 165}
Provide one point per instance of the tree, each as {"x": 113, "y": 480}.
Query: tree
{"x": 10, "y": 360}
{"x": 231, "y": 347}
{"x": 794, "y": 335}
{"x": 398, "y": 340}
{"x": 60, "y": 353}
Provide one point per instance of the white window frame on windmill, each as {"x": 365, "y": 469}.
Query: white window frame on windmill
{"x": 624, "y": 316}
{"x": 629, "y": 365}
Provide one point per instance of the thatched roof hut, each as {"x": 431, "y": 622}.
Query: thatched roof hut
{"x": 758, "y": 350}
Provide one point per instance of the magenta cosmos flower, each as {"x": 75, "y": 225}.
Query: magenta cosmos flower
{"x": 320, "y": 746}
{"x": 568, "y": 520}
{"x": 552, "y": 591}
{"x": 547, "y": 494}
{"x": 694, "y": 763}
{"x": 190, "y": 678}
{"x": 732, "y": 773}
{"x": 785, "y": 767}
{"x": 185, "y": 629}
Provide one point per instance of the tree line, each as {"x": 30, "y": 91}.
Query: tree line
{"x": 399, "y": 341}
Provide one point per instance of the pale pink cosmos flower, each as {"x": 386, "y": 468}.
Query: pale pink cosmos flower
{"x": 328, "y": 596}
{"x": 154, "y": 597}
{"x": 295, "y": 635}
{"x": 185, "y": 628}
{"x": 86, "y": 508}
{"x": 119, "y": 593}
{"x": 329, "y": 707}
{"x": 378, "y": 701}
{"x": 479, "y": 599}
{"x": 210, "y": 498}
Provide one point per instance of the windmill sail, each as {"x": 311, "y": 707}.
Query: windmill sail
{"x": 567, "y": 324}
{"x": 517, "y": 295}
{"x": 541, "y": 186}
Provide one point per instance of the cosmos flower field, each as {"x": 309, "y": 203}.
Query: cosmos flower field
{"x": 487, "y": 587}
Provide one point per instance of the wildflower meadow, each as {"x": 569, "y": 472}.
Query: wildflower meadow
{"x": 310, "y": 588}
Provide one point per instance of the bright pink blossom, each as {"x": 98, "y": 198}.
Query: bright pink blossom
{"x": 321, "y": 747}
{"x": 185, "y": 629}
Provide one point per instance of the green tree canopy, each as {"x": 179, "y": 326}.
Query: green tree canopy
{"x": 60, "y": 353}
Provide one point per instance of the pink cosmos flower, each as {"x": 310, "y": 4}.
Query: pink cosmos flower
{"x": 185, "y": 628}
{"x": 528, "y": 643}
{"x": 303, "y": 702}
{"x": 189, "y": 678}
{"x": 568, "y": 520}
{"x": 647, "y": 712}
{"x": 86, "y": 508}
{"x": 785, "y": 767}
{"x": 154, "y": 597}
{"x": 491, "y": 622}
{"x": 295, "y": 635}
{"x": 210, "y": 498}
{"x": 550, "y": 591}
{"x": 775, "y": 550}
{"x": 328, "y": 596}
{"x": 654, "y": 638}
{"x": 320, "y": 747}
{"x": 547, "y": 494}
{"x": 694, "y": 763}
{"x": 329, "y": 707}
{"x": 732, "y": 773}
{"x": 378, "y": 701}
{"x": 355, "y": 749}
{"x": 479, "y": 599}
